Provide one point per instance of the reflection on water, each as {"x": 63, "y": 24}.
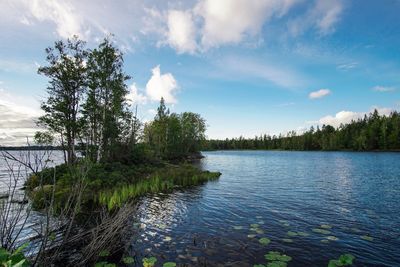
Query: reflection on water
{"x": 313, "y": 206}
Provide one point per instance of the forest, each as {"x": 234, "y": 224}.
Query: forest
{"x": 374, "y": 132}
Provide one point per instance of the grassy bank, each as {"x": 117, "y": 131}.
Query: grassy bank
{"x": 110, "y": 184}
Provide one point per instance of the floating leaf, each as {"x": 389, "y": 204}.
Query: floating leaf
{"x": 276, "y": 256}
{"x": 104, "y": 253}
{"x": 251, "y": 236}
{"x": 149, "y": 262}
{"x": 321, "y": 231}
{"x": 128, "y": 260}
{"x": 325, "y": 241}
{"x": 259, "y": 231}
{"x": 237, "y": 227}
{"x": 367, "y": 237}
{"x": 332, "y": 238}
{"x": 254, "y": 225}
{"x": 104, "y": 264}
{"x": 290, "y": 233}
{"x": 344, "y": 260}
{"x": 258, "y": 265}
{"x": 264, "y": 241}
{"x": 277, "y": 264}
{"x": 326, "y": 226}
{"x": 287, "y": 240}
{"x": 303, "y": 234}
{"x": 169, "y": 264}
{"x": 167, "y": 239}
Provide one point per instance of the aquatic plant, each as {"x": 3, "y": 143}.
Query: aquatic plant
{"x": 321, "y": 231}
{"x": 367, "y": 237}
{"x": 16, "y": 258}
{"x": 237, "y": 227}
{"x": 325, "y": 226}
{"x": 149, "y": 262}
{"x": 128, "y": 260}
{"x": 287, "y": 240}
{"x": 104, "y": 264}
{"x": 290, "y": 233}
{"x": 104, "y": 253}
{"x": 169, "y": 264}
{"x": 264, "y": 241}
{"x": 344, "y": 260}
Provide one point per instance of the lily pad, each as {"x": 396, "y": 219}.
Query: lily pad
{"x": 251, "y": 236}
{"x": 104, "y": 253}
{"x": 149, "y": 262}
{"x": 290, "y": 233}
{"x": 238, "y": 227}
{"x": 276, "y": 256}
{"x": 167, "y": 239}
{"x": 326, "y": 226}
{"x": 264, "y": 241}
{"x": 287, "y": 240}
{"x": 277, "y": 264}
{"x": 254, "y": 225}
{"x": 260, "y": 231}
{"x": 367, "y": 237}
{"x": 128, "y": 260}
{"x": 304, "y": 234}
{"x": 169, "y": 264}
{"x": 332, "y": 238}
{"x": 344, "y": 260}
{"x": 321, "y": 231}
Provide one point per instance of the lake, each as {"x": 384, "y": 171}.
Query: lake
{"x": 313, "y": 206}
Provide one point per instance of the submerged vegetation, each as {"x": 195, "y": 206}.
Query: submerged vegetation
{"x": 373, "y": 132}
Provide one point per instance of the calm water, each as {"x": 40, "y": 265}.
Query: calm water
{"x": 356, "y": 194}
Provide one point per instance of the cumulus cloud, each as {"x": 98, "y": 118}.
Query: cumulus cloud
{"x": 229, "y": 21}
{"x": 62, "y": 13}
{"x": 319, "y": 94}
{"x": 383, "y": 89}
{"x": 344, "y": 117}
{"x": 17, "y": 118}
{"x": 134, "y": 96}
{"x": 181, "y": 31}
{"x": 162, "y": 85}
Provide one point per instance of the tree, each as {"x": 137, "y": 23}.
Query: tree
{"x": 67, "y": 73}
{"x": 106, "y": 110}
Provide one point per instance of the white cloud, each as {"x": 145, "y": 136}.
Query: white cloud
{"x": 62, "y": 13}
{"x": 323, "y": 15}
{"x": 278, "y": 75}
{"x": 345, "y": 117}
{"x": 181, "y": 31}
{"x": 17, "y": 118}
{"x": 135, "y": 97}
{"x": 347, "y": 66}
{"x": 319, "y": 94}
{"x": 382, "y": 89}
{"x": 161, "y": 85}
{"x": 230, "y": 21}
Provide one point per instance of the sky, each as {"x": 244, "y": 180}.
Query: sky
{"x": 249, "y": 67}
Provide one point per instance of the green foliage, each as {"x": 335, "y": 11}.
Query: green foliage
{"x": 344, "y": 260}
{"x": 174, "y": 136}
{"x": 104, "y": 264}
{"x": 264, "y": 241}
{"x": 373, "y": 132}
{"x": 169, "y": 264}
{"x": 128, "y": 260}
{"x": 13, "y": 259}
{"x": 149, "y": 262}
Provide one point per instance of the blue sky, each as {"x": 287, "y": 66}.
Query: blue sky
{"x": 247, "y": 66}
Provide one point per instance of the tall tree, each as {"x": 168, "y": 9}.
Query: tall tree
{"x": 66, "y": 70}
{"x": 106, "y": 109}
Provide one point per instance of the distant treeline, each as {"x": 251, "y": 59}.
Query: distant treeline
{"x": 373, "y": 132}
{"x": 13, "y": 148}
